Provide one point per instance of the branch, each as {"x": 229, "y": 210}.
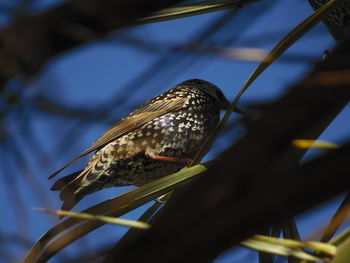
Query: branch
{"x": 27, "y": 45}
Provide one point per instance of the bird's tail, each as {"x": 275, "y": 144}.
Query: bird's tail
{"x": 61, "y": 183}
{"x": 71, "y": 188}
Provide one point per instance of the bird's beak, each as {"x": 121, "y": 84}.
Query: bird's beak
{"x": 225, "y": 104}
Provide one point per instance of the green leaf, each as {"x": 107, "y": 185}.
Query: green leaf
{"x": 145, "y": 217}
{"x": 343, "y": 252}
{"x": 102, "y": 219}
{"x": 315, "y": 144}
{"x": 278, "y": 250}
{"x": 341, "y": 237}
{"x": 289, "y": 247}
{"x": 191, "y": 9}
{"x": 72, "y": 229}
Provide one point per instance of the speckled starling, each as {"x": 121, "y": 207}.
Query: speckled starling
{"x": 158, "y": 138}
{"x": 338, "y": 20}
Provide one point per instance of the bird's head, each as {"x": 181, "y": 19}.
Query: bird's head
{"x": 210, "y": 89}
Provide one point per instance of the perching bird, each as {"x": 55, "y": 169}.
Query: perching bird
{"x": 159, "y": 138}
{"x": 338, "y": 20}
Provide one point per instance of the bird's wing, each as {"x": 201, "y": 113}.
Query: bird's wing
{"x": 139, "y": 117}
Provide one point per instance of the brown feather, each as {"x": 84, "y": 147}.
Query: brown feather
{"x": 143, "y": 115}
{"x": 68, "y": 195}
{"x": 61, "y": 183}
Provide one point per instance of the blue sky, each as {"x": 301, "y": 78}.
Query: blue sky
{"x": 97, "y": 74}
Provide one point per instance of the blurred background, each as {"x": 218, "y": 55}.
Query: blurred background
{"x": 81, "y": 93}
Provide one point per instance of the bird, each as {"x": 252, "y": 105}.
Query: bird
{"x": 158, "y": 138}
{"x": 338, "y": 19}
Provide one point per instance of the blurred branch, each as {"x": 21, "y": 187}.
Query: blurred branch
{"x": 229, "y": 53}
{"x": 90, "y": 257}
{"x": 21, "y": 11}
{"x": 263, "y": 256}
{"x": 6, "y": 255}
{"x": 194, "y": 8}
{"x": 32, "y": 140}
{"x": 12, "y": 187}
{"x": 27, "y": 174}
{"x": 8, "y": 238}
{"x": 256, "y": 183}
{"x": 249, "y": 54}
{"x": 27, "y": 45}
{"x": 290, "y": 230}
{"x": 53, "y": 107}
